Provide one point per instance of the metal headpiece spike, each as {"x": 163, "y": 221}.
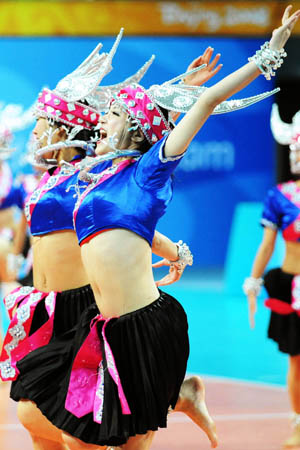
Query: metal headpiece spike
{"x": 181, "y": 98}
{"x": 234, "y": 105}
{"x": 284, "y": 133}
{"x": 83, "y": 81}
{"x": 183, "y": 75}
{"x": 104, "y": 94}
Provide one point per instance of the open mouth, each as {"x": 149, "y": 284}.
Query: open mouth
{"x": 103, "y": 136}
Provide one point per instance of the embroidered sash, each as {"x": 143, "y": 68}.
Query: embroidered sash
{"x": 86, "y": 387}
{"x": 17, "y": 342}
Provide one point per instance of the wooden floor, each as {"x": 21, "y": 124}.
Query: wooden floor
{"x": 249, "y": 417}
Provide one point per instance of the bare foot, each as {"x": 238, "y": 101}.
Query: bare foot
{"x": 294, "y": 440}
{"x": 191, "y": 402}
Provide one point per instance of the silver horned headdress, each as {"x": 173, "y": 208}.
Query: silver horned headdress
{"x": 181, "y": 97}
{"x": 144, "y": 105}
{"x": 78, "y": 100}
{"x": 287, "y": 134}
{"x": 12, "y": 118}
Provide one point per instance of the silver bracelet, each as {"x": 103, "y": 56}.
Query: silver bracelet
{"x": 268, "y": 60}
{"x": 252, "y": 284}
{"x": 185, "y": 257}
{"x": 14, "y": 262}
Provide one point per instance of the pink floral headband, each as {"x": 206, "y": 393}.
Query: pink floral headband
{"x": 145, "y": 113}
{"x": 72, "y": 113}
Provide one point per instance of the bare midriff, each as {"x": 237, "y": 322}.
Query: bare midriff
{"x": 291, "y": 262}
{"x": 57, "y": 264}
{"x": 119, "y": 264}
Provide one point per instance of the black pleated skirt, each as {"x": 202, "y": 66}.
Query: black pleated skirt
{"x": 150, "y": 348}
{"x": 283, "y": 329}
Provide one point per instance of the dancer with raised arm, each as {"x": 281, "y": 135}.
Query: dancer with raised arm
{"x": 281, "y": 213}
{"x": 48, "y": 312}
{"x": 130, "y": 360}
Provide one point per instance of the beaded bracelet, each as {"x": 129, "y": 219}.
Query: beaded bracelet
{"x": 252, "y": 284}
{"x": 268, "y": 60}
{"x": 185, "y": 257}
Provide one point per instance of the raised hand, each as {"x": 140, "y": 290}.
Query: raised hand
{"x": 280, "y": 35}
{"x": 203, "y": 75}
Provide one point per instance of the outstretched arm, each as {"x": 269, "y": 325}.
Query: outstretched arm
{"x": 261, "y": 260}
{"x": 184, "y": 132}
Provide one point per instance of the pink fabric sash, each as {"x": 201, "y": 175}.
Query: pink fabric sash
{"x": 281, "y": 307}
{"x": 17, "y": 343}
{"x": 86, "y": 387}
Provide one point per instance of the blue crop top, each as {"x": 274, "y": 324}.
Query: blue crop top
{"x": 50, "y": 206}
{"x": 19, "y": 192}
{"x": 282, "y": 210}
{"x": 134, "y": 198}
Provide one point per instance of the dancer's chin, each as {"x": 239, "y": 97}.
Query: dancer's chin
{"x": 102, "y": 148}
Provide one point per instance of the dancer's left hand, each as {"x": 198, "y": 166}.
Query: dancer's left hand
{"x": 281, "y": 34}
{"x": 174, "y": 273}
{"x": 205, "y": 74}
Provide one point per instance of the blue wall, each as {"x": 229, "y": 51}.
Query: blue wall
{"x": 230, "y": 161}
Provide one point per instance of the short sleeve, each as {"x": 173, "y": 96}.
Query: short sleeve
{"x": 15, "y": 197}
{"x": 271, "y": 216}
{"x": 154, "y": 168}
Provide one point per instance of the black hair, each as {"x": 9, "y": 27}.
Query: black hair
{"x": 145, "y": 144}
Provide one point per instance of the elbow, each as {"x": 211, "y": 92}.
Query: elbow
{"x": 156, "y": 243}
{"x": 209, "y": 101}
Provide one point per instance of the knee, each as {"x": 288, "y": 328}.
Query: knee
{"x": 73, "y": 443}
{"x": 295, "y": 365}
{"x": 36, "y": 423}
{"x": 27, "y": 412}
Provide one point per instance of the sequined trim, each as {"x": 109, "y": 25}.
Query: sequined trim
{"x": 296, "y": 293}
{"x": 11, "y": 299}
{"x": 267, "y": 223}
{"x": 291, "y": 191}
{"x": 17, "y": 342}
{"x": 165, "y": 159}
{"x": 100, "y": 394}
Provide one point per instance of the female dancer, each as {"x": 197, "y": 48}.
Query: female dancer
{"x": 129, "y": 362}
{"x": 281, "y": 212}
{"x": 59, "y": 276}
